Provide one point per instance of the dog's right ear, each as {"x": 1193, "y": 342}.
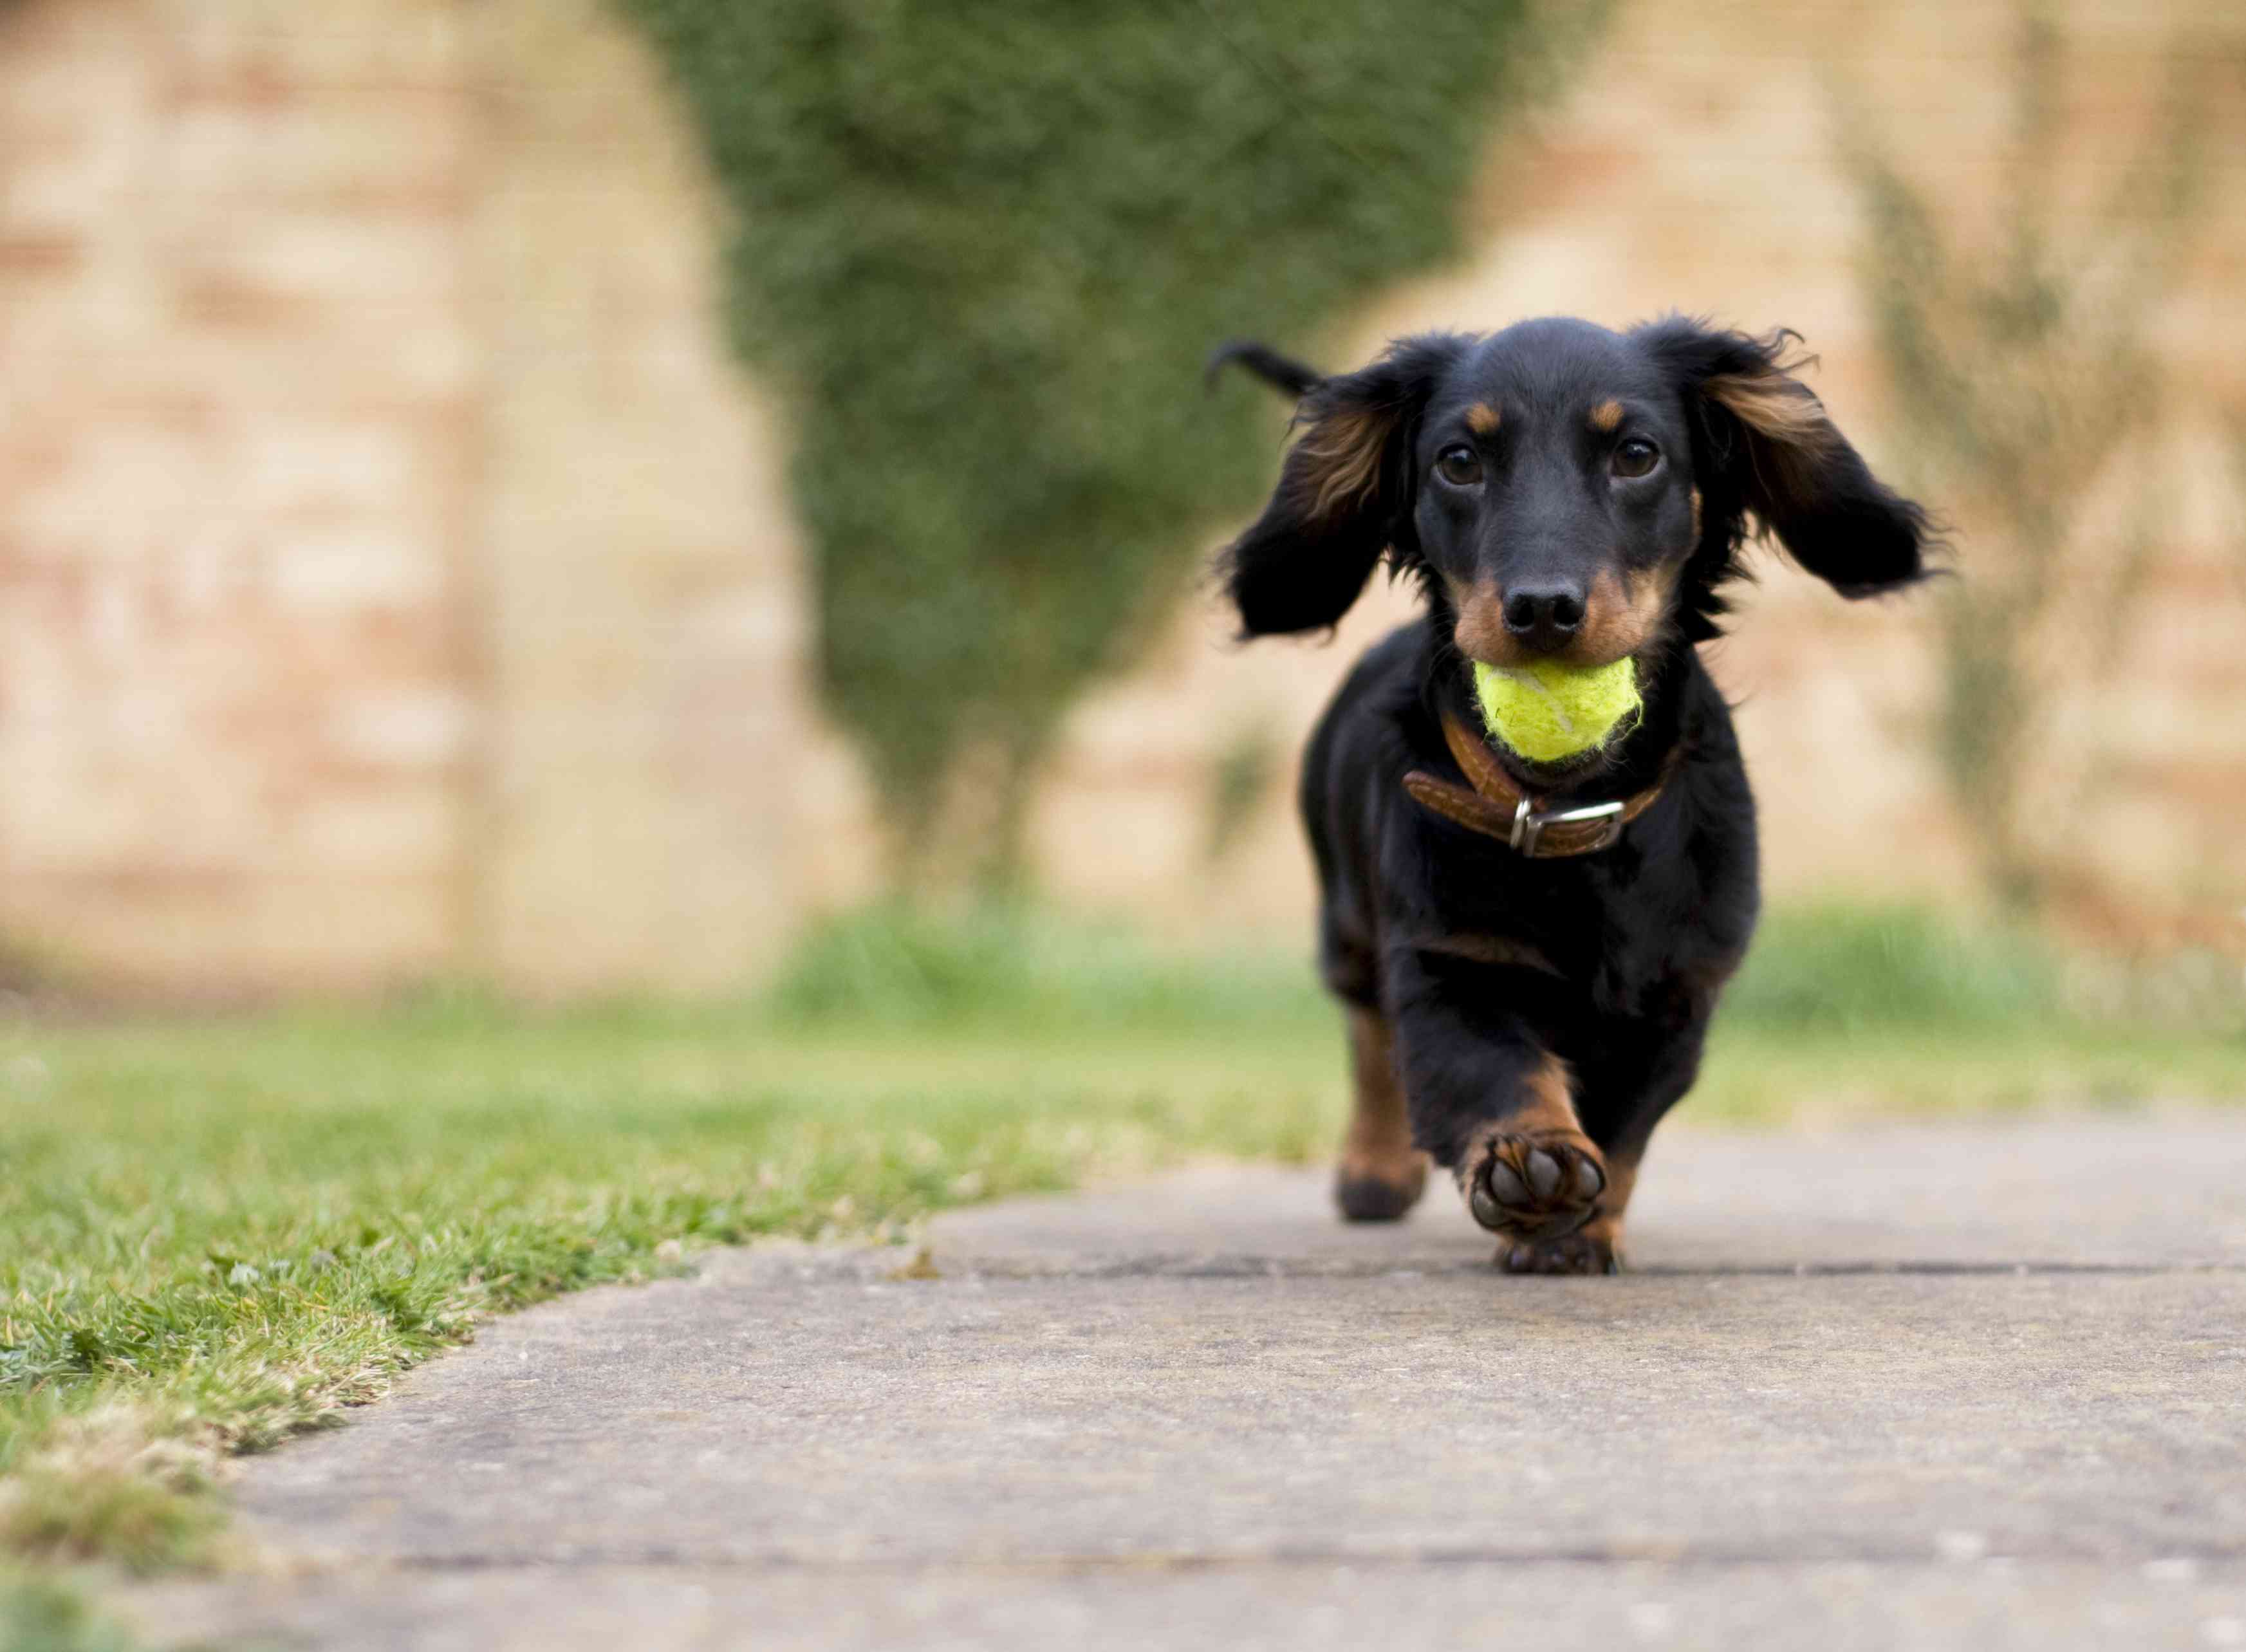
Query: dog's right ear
{"x": 1345, "y": 493}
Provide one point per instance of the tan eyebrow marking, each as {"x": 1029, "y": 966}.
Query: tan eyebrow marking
{"x": 1607, "y": 416}
{"x": 1481, "y": 418}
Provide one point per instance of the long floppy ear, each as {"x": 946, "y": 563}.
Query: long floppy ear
{"x": 1345, "y": 493}
{"x": 1769, "y": 448}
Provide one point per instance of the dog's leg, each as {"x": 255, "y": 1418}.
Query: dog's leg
{"x": 1382, "y": 1174}
{"x": 1498, "y": 1112}
{"x": 1647, "y": 1090}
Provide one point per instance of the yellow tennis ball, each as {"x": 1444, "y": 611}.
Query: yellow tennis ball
{"x": 1547, "y": 711}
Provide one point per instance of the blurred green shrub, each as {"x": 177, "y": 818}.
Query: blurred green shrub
{"x": 1813, "y": 971}
{"x": 1836, "y": 968}
{"x": 1011, "y": 965}
{"x": 1247, "y": 765}
{"x": 984, "y": 249}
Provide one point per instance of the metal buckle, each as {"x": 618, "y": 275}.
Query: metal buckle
{"x": 1528, "y": 825}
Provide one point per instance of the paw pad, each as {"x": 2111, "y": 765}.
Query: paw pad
{"x": 1534, "y": 1189}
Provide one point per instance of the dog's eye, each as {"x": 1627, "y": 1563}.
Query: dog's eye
{"x": 1459, "y": 466}
{"x": 1634, "y": 457}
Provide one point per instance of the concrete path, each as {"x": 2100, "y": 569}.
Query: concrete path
{"x": 1919, "y": 1388}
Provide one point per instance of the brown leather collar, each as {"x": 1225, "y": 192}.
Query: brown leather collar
{"x": 1498, "y": 807}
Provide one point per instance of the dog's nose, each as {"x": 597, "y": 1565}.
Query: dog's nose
{"x": 1544, "y": 616}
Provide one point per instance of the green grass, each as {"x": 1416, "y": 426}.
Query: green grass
{"x": 48, "y": 1615}
{"x": 214, "y": 1233}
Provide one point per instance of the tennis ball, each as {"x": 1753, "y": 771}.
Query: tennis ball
{"x": 1547, "y": 711}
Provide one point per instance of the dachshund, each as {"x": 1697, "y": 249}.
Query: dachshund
{"x": 1528, "y": 954}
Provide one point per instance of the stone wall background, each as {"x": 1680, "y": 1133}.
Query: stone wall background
{"x": 396, "y": 579}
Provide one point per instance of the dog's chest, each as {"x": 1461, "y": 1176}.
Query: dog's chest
{"x": 1632, "y": 936}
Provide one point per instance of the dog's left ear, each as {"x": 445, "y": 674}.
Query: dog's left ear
{"x": 1768, "y": 447}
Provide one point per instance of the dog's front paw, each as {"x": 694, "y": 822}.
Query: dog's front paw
{"x": 1538, "y": 1187}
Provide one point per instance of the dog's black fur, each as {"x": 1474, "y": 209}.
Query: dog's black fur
{"x": 1541, "y": 1016}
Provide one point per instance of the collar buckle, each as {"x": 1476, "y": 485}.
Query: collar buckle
{"x": 1528, "y": 825}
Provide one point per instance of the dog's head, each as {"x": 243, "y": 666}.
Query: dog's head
{"x": 1566, "y": 491}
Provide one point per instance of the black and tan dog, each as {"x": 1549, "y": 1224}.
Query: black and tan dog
{"x": 1529, "y": 955}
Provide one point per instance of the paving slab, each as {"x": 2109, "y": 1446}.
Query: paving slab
{"x": 1935, "y": 1387}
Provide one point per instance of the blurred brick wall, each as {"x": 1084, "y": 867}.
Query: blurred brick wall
{"x": 240, "y": 392}
{"x": 394, "y": 579}
{"x": 644, "y": 613}
{"x": 396, "y": 576}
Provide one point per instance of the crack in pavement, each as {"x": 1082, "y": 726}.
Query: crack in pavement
{"x": 856, "y": 1270}
{"x": 1618, "y": 1553}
